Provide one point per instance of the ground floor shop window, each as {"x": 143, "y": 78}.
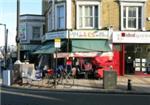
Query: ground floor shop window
{"x": 136, "y": 58}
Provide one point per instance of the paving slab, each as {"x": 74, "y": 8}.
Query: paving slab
{"x": 140, "y": 85}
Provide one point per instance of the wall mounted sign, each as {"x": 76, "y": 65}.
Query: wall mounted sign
{"x": 131, "y": 37}
{"x": 88, "y": 34}
{"x": 58, "y": 34}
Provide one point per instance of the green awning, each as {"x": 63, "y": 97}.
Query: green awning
{"x": 90, "y": 45}
{"x": 47, "y": 48}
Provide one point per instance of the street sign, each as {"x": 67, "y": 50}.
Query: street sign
{"x": 57, "y": 42}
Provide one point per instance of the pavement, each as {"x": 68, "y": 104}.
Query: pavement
{"x": 140, "y": 85}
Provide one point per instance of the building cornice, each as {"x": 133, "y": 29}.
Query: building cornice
{"x": 31, "y": 15}
{"x": 132, "y": 1}
{"x": 88, "y": 0}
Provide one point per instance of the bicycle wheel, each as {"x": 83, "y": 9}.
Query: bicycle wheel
{"x": 68, "y": 80}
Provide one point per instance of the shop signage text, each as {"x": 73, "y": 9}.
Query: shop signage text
{"x": 131, "y": 37}
{"x": 53, "y": 35}
{"x": 84, "y": 34}
{"x": 88, "y": 34}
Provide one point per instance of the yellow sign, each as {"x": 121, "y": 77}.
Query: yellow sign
{"x": 57, "y": 40}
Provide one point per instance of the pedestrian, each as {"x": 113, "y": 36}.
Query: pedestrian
{"x": 68, "y": 65}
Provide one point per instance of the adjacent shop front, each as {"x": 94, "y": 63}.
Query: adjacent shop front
{"x": 132, "y": 50}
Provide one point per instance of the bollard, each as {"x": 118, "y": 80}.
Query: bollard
{"x": 129, "y": 87}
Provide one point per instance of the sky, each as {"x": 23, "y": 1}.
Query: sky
{"x": 8, "y": 16}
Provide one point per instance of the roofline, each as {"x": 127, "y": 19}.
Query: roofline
{"x": 30, "y": 15}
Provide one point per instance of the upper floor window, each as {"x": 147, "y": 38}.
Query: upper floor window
{"x": 87, "y": 15}
{"x": 132, "y": 15}
{"x": 36, "y": 32}
{"x": 60, "y": 16}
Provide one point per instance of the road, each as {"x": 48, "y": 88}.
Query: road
{"x": 15, "y": 96}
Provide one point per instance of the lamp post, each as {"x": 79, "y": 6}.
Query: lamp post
{"x": 5, "y": 46}
{"x": 17, "y": 34}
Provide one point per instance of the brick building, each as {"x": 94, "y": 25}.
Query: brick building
{"x": 89, "y": 26}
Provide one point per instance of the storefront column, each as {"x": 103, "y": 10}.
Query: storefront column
{"x": 123, "y": 59}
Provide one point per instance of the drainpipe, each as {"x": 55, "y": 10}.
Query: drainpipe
{"x": 53, "y": 13}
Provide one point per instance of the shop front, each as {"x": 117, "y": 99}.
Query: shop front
{"x": 88, "y": 47}
{"x": 132, "y": 50}
{"x": 77, "y": 44}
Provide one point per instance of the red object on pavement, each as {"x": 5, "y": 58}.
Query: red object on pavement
{"x": 50, "y": 71}
{"x": 100, "y": 72}
{"x": 102, "y": 63}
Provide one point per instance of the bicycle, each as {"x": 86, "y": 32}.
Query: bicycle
{"x": 69, "y": 77}
{"x": 62, "y": 76}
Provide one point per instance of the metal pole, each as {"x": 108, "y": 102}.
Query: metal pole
{"x": 68, "y": 43}
{"x": 18, "y": 36}
{"x": 5, "y": 57}
{"x": 55, "y": 69}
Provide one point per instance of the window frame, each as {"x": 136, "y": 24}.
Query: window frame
{"x": 56, "y": 16}
{"x": 50, "y": 18}
{"x": 83, "y": 4}
{"x": 36, "y": 38}
{"x": 137, "y": 5}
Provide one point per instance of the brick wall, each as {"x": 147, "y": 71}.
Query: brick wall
{"x": 73, "y": 14}
{"x": 110, "y": 14}
{"x": 147, "y": 24}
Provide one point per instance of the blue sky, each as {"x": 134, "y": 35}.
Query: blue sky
{"x": 8, "y": 16}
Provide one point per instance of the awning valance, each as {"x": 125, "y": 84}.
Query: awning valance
{"x": 90, "y": 46}
{"x": 47, "y": 48}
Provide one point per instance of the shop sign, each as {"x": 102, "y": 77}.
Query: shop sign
{"x": 131, "y": 37}
{"x": 88, "y": 34}
{"x": 28, "y": 47}
{"x": 53, "y": 35}
{"x": 62, "y": 55}
{"x": 88, "y": 54}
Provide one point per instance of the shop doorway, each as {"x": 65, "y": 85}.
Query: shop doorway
{"x": 129, "y": 58}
